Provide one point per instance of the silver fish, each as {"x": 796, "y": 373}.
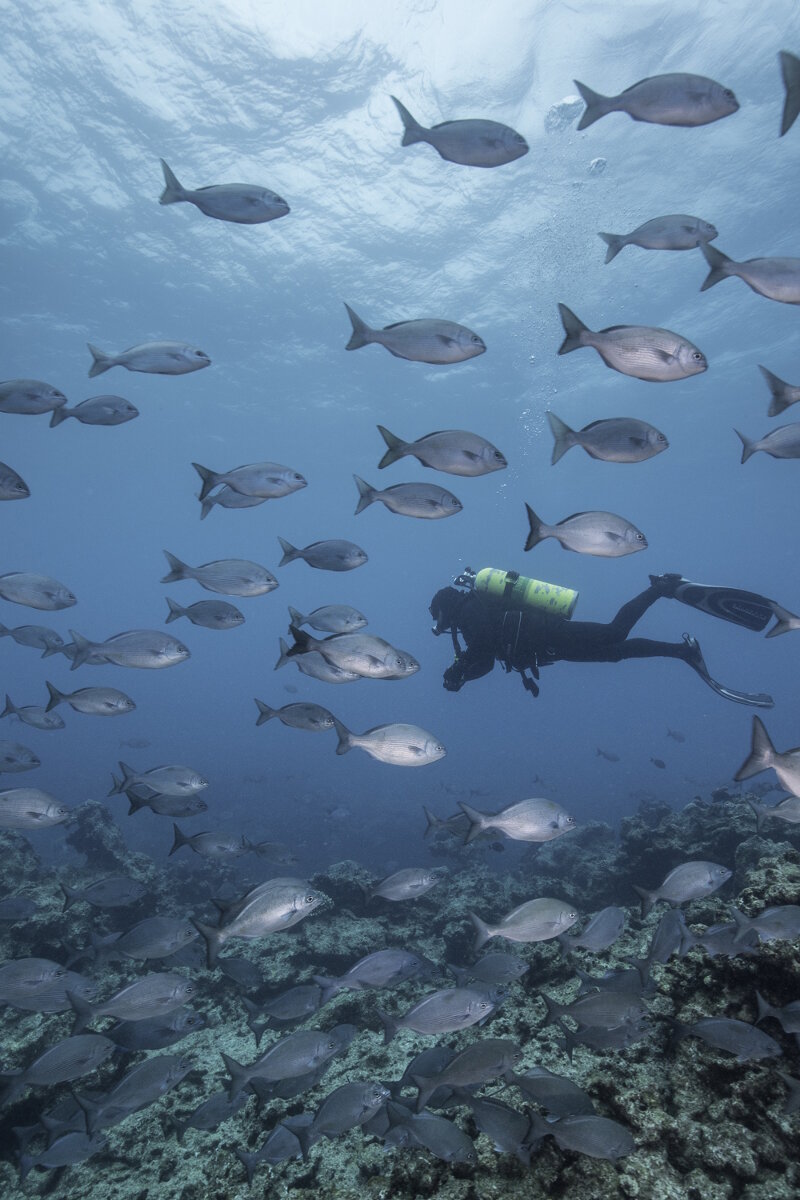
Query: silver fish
{"x": 266, "y": 480}
{"x": 763, "y": 755}
{"x": 504, "y": 1126}
{"x": 154, "y": 358}
{"x": 37, "y": 636}
{"x": 525, "y": 821}
{"x": 471, "y": 143}
{"x": 427, "y": 340}
{"x": 67, "y": 1060}
{"x": 369, "y": 656}
{"x": 494, "y": 968}
{"x": 775, "y": 278}
{"x": 97, "y": 410}
{"x": 295, "y": 1055}
{"x": 210, "y": 1114}
{"x": 674, "y": 232}
{"x": 312, "y": 717}
{"x": 787, "y": 810}
{"x": 403, "y": 885}
{"x": 226, "y": 497}
{"x": 92, "y": 701}
{"x": 454, "y": 451}
{"x": 426, "y": 501}
{"x": 12, "y": 485}
{"x": 167, "y": 781}
{"x": 599, "y": 1137}
{"x": 209, "y": 614}
{"x": 617, "y": 439}
{"x": 115, "y": 891}
{"x": 15, "y": 757}
{"x": 557, "y": 1094}
{"x": 33, "y": 715}
{"x": 348, "y": 1106}
{"x": 783, "y": 394}
{"x": 788, "y": 1016}
{"x": 275, "y": 905}
{"x": 688, "y": 881}
{"x": 602, "y": 931}
{"x": 30, "y": 808}
{"x": 397, "y": 744}
{"x": 643, "y": 351}
{"x": 331, "y": 618}
{"x": 490, "y": 1058}
{"x": 430, "y": 1132}
{"x": 39, "y": 985}
{"x": 381, "y": 969}
{"x": 29, "y": 397}
{"x": 534, "y": 921}
{"x": 780, "y": 923}
{"x": 143, "y": 1085}
{"x": 35, "y": 591}
{"x": 746, "y": 1042}
{"x": 674, "y": 99}
{"x": 231, "y": 576}
{"x": 602, "y": 534}
{"x": 155, "y": 937}
{"x": 335, "y": 554}
{"x": 603, "y": 1010}
{"x": 146, "y": 649}
{"x": 790, "y": 72}
{"x": 781, "y": 442}
{"x": 150, "y": 996}
{"x": 218, "y": 845}
{"x": 242, "y": 203}
{"x": 66, "y": 1150}
{"x": 315, "y": 666}
{"x": 444, "y": 1011}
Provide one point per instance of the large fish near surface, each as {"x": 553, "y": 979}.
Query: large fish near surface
{"x": 153, "y": 358}
{"x": 790, "y": 72}
{"x": 242, "y": 203}
{"x": 397, "y": 744}
{"x": 775, "y": 278}
{"x": 426, "y": 501}
{"x": 97, "y": 410}
{"x": 526, "y": 821}
{"x": 35, "y": 591}
{"x": 428, "y": 340}
{"x": 29, "y": 397}
{"x": 643, "y": 351}
{"x": 454, "y": 451}
{"x": 674, "y": 99}
{"x": 146, "y": 649}
{"x": 368, "y": 656}
{"x": 763, "y": 755}
{"x": 616, "y": 439}
{"x": 781, "y": 442}
{"x": 231, "y": 576}
{"x": 674, "y": 232}
{"x": 333, "y": 554}
{"x": 602, "y": 534}
{"x": 272, "y": 906}
{"x": 783, "y": 394}
{"x": 30, "y": 808}
{"x": 265, "y": 481}
{"x": 474, "y": 142}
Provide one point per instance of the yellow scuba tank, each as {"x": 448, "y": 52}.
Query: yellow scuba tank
{"x": 511, "y": 590}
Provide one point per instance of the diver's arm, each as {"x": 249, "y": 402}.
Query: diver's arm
{"x": 472, "y": 663}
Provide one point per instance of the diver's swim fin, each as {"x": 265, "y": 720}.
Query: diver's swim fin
{"x": 749, "y": 609}
{"x": 697, "y": 662}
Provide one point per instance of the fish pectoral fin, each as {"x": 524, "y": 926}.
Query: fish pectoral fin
{"x": 638, "y": 442}
{"x": 664, "y": 355}
{"x": 447, "y": 341}
{"x": 613, "y": 537}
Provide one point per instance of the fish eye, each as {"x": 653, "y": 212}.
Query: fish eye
{"x": 331, "y": 1044}
{"x": 476, "y": 341}
{"x": 698, "y": 356}
{"x": 310, "y": 898}
{"x": 640, "y": 537}
{"x": 728, "y": 94}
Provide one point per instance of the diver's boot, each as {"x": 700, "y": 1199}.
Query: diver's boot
{"x": 694, "y": 657}
{"x": 666, "y": 585}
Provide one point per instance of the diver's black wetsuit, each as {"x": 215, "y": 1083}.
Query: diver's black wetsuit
{"x": 525, "y": 640}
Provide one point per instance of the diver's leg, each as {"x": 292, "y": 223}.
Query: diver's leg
{"x": 577, "y": 640}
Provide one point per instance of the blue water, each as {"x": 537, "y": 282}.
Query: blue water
{"x": 297, "y": 98}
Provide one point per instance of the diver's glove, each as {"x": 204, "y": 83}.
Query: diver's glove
{"x": 453, "y": 678}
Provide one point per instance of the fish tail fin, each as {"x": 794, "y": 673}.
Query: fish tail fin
{"x": 177, "y": 569}
{"x": 206, "y": 506}
{"x": 718, "y": 263}
{"x": 173, "y": 192}
{"x": 647, "y": 899}
{"x": 786, "y": 621}
{"x": 535, "y": 533}
{"x": 284, "y": 654}
{"x": 175, "y": 611}
{"x": 209, "y": 479}
{"x": 304, "y": 1135}
{"x": 296, "y": 618}
{"x": 60, "y": 414}
{"x": 249, "y": 1162}
{"x": 778, "y": 388}
{"x": 134, "y": 803}
{"x": 302, "y": 641}
{"x": 366, "y": 494}
{"x": 290, "y": 552}
{"x": 762, "y": 753}
{"x": 564, "y": 437}
{"x": 10, "y": 708}
{"x": 212, "y": 935}
{"x": 329, "y": 986}
{"x": 615, "y": 242}
{"x": 554, "y": 1010}
{"x": 432, "y": 821}
{"x": 265, "y": 713}
{"x": 390, "y": 1026}
{"x": 71, "y": 896}
{"x": 178, "y": 839}
{"x": 764, "y": 1009}
{"x": 748, "y": 446}
{"x": 743, "y": 925}
{"x": 396, "y": 448}
{"x": 597, "y": 106}
{"x": 482, "y": 932}
{"x": 239, "y": 1075}
{"x": 83, "y": 648}
{"x": 179, "y": 1127}
{"x": 101, "y": 361}
{"x": 48, "y": 650}
{"x": 426, "y": 1087}
{"x": 361, "y": 335}
{"x": 84, "y": 1012}
{"x": 570, "y": 1040}
{"x": 790, "y": 71}
{"x": 344, "y": 735}
{"x": 412, "y": 130}
{"x": 24, "y": 1165}
{"x": 477, "y": 821}
{"x": 128, "y": 777}
{"x": 5, "y": 631}
{"x": 574, "y": 330}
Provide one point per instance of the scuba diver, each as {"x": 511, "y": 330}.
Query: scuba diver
{"x": 525, "y": 624}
